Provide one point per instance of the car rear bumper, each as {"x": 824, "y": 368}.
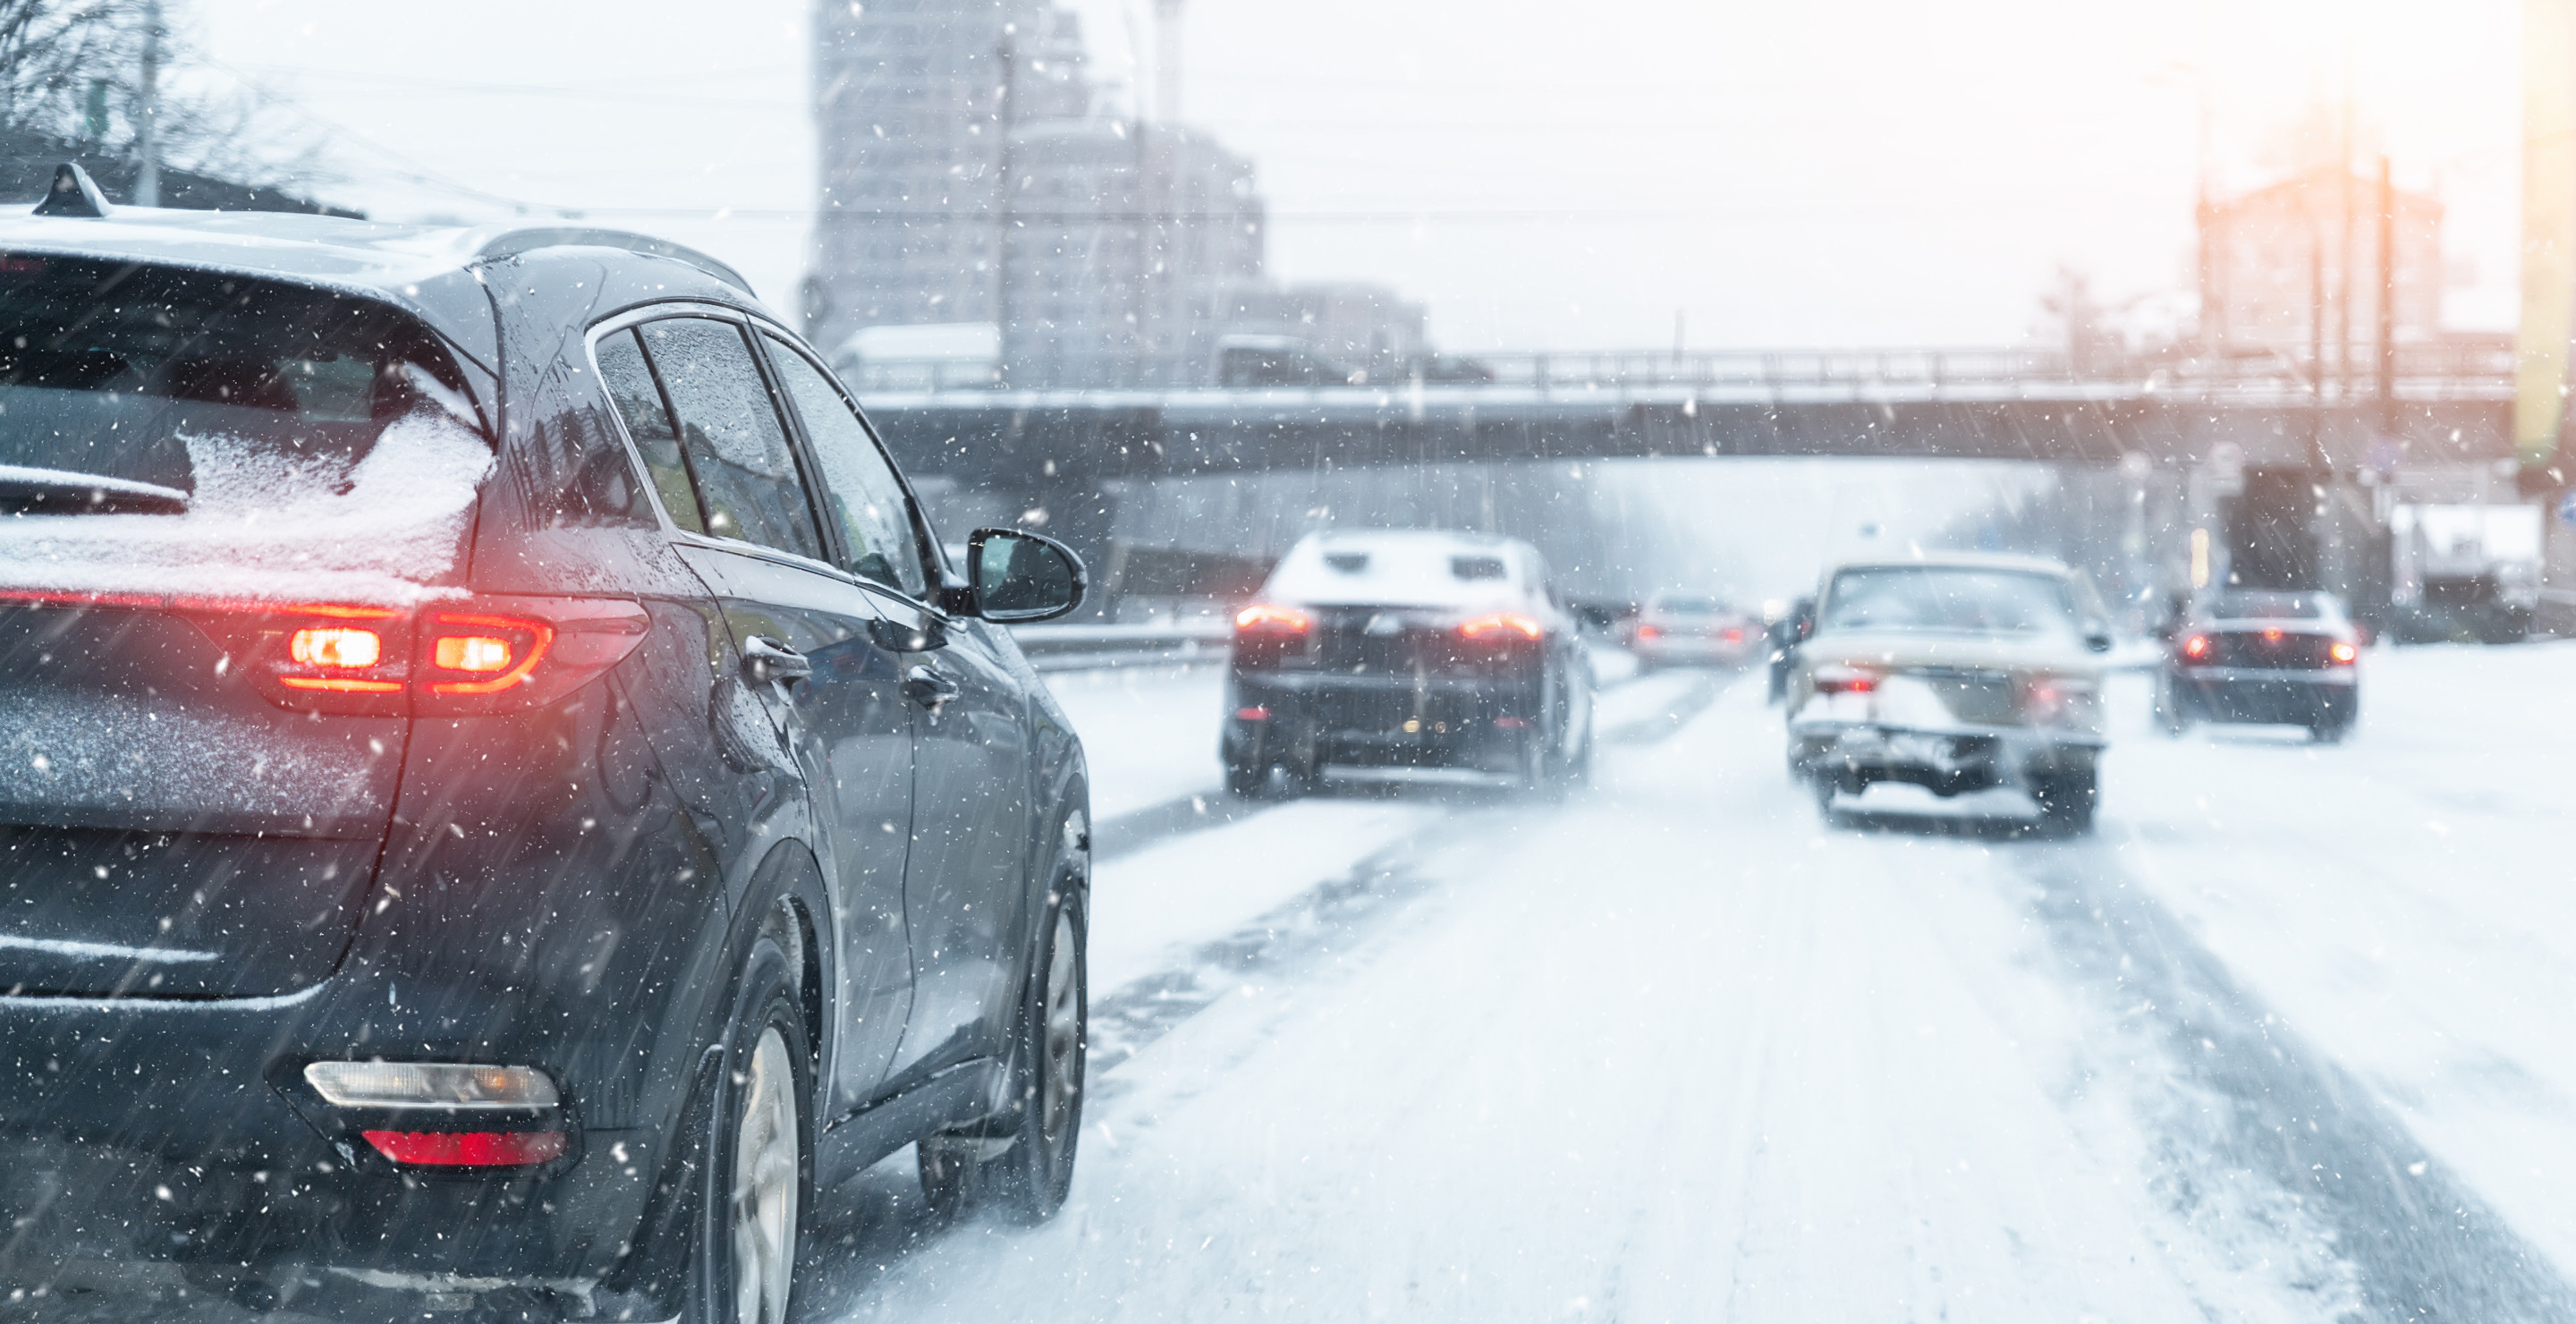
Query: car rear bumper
{"x": 1689, "y": 650}
{"x": 147, "y": 1141}
{"x": 1947, "y": 761}
{"x": 1469, "y": 722}
{"x": 2238, "y": 694}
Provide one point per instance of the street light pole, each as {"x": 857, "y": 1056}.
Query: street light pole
{"x": 1007, "y": 54}
{"x": 147, "y": 175}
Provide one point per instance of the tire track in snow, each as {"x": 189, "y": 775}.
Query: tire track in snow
{"x": 2423, "y": 1244}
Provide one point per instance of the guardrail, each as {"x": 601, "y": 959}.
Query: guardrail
{"x": 1090, "y": 647}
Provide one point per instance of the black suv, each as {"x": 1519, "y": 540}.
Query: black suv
{"x": 503, "y": 805}
{"x": 1407, "y": 648}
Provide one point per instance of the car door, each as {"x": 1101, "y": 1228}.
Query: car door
{"x": 965, "y": 884}
{"x": 695, "y": 398}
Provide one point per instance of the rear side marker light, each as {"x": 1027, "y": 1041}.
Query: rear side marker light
{"x": 469, "y": 1149}
{"x": 449, "y": 1085}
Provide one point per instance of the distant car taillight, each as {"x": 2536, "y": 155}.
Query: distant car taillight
{"x": 2343, "y": 653}
{"x": 1650, "y": 632}
{"x": 1271, "y": 618}
{"x": 2196, "y": 647}
{"x": 1501, "y": 624}
{"x": 1833, "y": 679}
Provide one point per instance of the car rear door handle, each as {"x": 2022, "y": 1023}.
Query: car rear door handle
{"x": 929, "y": 686}
{"x": 767, "y": 660}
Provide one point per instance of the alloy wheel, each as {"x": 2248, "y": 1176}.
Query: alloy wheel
{"x": 765, "y": 1173}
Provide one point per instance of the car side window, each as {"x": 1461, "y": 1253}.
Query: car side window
{"x": 639, "y": 402}
{"x": 860, "y": 490}
{"x": 736, "y": 445}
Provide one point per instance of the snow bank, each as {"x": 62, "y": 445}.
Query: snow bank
{"x": 277, "y": 525}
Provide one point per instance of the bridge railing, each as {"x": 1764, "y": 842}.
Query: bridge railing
{"x": 2436, "y": 369}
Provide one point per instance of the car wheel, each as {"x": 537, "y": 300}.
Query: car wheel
{"x": 1246, "y": 782}
{"x": 2066, "y": 800}
{"x": 1824, "y": 787}
{"x": 760, "y": 1145}
{"x": 2330, "y": 733}
{"x": 1027, "y": 1174}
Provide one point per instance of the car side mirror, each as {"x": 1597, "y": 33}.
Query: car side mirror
{"x": 1020, "y": 577}
{"x": 2097, "y": 637}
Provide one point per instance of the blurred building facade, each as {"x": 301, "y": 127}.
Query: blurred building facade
{"x": 1107, "y": 250}
{"x": 2294, "y": 268}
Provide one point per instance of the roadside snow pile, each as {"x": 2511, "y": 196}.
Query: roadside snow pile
{"x": 275, "y": 525}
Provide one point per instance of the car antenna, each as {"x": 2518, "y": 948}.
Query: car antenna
{"x": 74, "y": 194}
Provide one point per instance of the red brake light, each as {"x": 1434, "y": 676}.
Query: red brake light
{"x": 2343, "y": 653}
{"x": 1650, "y": 632}
{"x": 336, "y": 646}
{"x": 1502, "y": 621}
{"x": 1255, "y": 713}
{"x": 469, "y": 1149}
{"x": 1845, "y": 680}
{"x": 1270, "y": 618}
{"x": 2272, "y": 634}
{"x": 2196, "y": 647}
{"x": 494, "y": 653}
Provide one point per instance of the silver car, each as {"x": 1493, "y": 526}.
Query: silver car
{"x": 1955, "y": 673}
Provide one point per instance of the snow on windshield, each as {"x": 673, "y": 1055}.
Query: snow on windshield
{"x": 271, "y": 523}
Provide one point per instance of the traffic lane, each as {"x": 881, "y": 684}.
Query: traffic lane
{"x": 1670, "y": 1045}
{"x": 2398, "y": 900}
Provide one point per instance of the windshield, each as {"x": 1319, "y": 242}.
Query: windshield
{"x": 1942, "y": 600}
{"x": 2265, "y": 607}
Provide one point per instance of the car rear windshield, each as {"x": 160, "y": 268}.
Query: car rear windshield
{"x": 135, "y": 372}
{"x": 2264, "y": 607}
{"x": 1948, "y": 600}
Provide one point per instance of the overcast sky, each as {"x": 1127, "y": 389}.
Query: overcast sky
{"x": 1543, "y": 175}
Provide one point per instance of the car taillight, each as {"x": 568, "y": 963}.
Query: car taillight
{"x": 489, "y": 653}
{"x": 1501, "y": 624}
{"x": 1650, "y": 632}
{"x": 469, "y": 1149}
{"x": 2196, "y": 647}
{"x": 2344, "y": 654}
{"x": 1271, "y": 618}
{"x": 1735, "y": 636}
{"x": 1833, "y": 679}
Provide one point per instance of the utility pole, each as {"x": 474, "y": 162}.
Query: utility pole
{"x": 1008, "y": 110}
{"x": 2387, "y": 300}
{"x": 147, "y": 176}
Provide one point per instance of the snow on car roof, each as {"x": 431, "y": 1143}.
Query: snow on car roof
{"x": 1425, "y": 568}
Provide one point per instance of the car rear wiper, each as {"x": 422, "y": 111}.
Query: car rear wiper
{"x": 25, "y": 491}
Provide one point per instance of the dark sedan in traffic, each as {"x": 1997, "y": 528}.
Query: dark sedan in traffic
{"x": 1407, "y": 649}
{"x": 2259, "y": 656}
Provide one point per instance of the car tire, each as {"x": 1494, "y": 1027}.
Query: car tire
{"x": 759, "y": 1144}
{"x": 1246, "y": 781}
{"x": 1026, "y": 1175}
{"x": 2067, "y": 800}
{"x": 1824, "y": 787}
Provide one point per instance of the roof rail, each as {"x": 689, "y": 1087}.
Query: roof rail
{"x": 511, "y": 243}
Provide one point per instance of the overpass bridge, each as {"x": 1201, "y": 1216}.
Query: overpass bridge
{"x": 2451, "y": 404}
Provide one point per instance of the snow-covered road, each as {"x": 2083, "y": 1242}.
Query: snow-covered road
{"x": 2288, "y": 1038}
